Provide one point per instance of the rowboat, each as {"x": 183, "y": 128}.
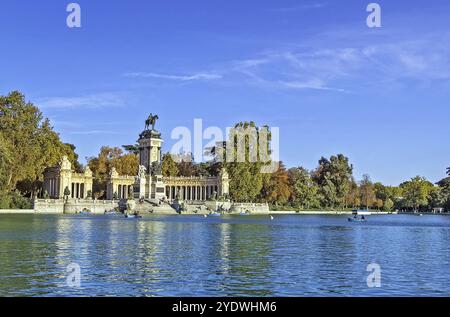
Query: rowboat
{"x": 356, "y": 219}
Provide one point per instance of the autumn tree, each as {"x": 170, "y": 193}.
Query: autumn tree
{"x": 367, "y": 192}
{"x": 186, "y": 166}
{"x": 277, "y": 189}
{"x": 109, "y": 157}
{"x": 169, "y": 166}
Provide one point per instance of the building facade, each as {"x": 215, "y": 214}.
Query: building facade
{"x": 149, "y": 183}
{"x": 61, "y": 179}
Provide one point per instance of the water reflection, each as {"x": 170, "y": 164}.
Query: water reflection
{"x": 248, "y": 256}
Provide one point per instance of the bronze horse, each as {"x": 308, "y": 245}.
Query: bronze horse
{"x": 151, "y": 121}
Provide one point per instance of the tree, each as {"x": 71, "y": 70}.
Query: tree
{"x": 25, "y": 130}
{"x": 444, "y": 185}
{"x": 367, "y": 192}
{"x": 353, "y": 196}
{"x": 5, "y": 164}
{"x": 415, "y": 192}
{"x": 109, "y": 157}
{"x": 388, "y": 205}
{"x": 186, "y": 167}
{"x": 277, "y": 190}
{"x": 304, "y": 189}
{"x": 245, "y": 163}
{"x": 334, "y": 177}
{"x": 169, "y": 166}
{"x": 436, "y": 198}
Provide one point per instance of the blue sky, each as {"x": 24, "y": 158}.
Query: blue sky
{"x": 312, "y": 68}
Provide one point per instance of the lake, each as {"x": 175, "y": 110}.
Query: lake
{"x": 224, "y": 256}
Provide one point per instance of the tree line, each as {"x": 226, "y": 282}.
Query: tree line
{"x": 28, "y": 144}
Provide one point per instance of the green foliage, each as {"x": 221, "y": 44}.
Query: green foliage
{"x": 246, "y": 181}
{"x": 169, "y": 166}
{"x": 28, "y": 145}
{"x": 244, "y": 164}
{"x": 14, "y": 200}
{"x": 334, "y": 177}
{"x": 444, "y": 185}
{"x": 5, "y": 164}
{"x": 388, "y": 205}
{"x": 29, "y": 142}
{"x": 415, "y": 192}
{"x": 304, "y": 189}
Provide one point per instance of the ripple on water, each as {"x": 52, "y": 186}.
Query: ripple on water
{"x": 227, "y": 256}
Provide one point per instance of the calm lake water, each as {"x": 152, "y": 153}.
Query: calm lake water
{"x": 228, "y": 256}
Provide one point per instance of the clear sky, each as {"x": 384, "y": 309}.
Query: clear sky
{"x": 312, "y": 68}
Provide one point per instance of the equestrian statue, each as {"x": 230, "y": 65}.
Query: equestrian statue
{"x": 151, "y": 121}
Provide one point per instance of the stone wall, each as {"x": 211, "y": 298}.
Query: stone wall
{"x": 94, "y": 206}
{"x": 17, "y": 211}
{"x": 49, "y": 206}
{"x": 250, "y": 208}
{"x": 57, "y": 206}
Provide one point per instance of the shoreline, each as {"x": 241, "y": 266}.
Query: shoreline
{"x": 274, "y": 212}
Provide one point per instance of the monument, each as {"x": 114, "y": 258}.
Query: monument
{"x": 148, "y": 184}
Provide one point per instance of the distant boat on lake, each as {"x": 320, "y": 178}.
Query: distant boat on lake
{"x": 357, "y": 219}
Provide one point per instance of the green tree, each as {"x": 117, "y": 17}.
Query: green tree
{"x": 388, "y": 205}
{"x": 244, "y": 162}
{"x": 334, "y": 178}
{"x": 415, "y": 192}
{"x": 444, "y": 185}
{"x": 5, "y": 164}
{"x": 169, "y": 166}
{"x": 36, "y": 146}
{"x": 436, "y": 198}
{"x": 304, "y": 189}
